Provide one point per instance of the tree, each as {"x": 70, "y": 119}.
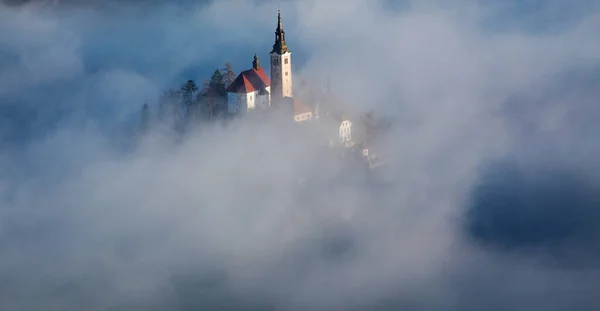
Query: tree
{"x": 228, "y": 74}
{"x": 207, "y": 99}
{"x": 169, "y": 104}
{"x": 188, "y": 93}
{"x": 213, "y": 95}
{"x": 217, "y": 83}
{"x": 217, "y": 91}
{"x": 145, "y": 118}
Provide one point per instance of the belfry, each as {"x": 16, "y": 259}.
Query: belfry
{"x": 281, "y": 64}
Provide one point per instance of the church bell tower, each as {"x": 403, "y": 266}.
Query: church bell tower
{"x": 281, "y": 64}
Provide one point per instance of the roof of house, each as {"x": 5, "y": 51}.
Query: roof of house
{"x": 263, "y": 91}
{"x": 249, "y": 81}
{"x": 300, "y": 107}
{"x": 297, "y": 106}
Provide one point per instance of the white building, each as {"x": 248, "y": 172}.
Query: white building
{"x": 250, "y": 90}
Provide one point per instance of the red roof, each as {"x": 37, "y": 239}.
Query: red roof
{"x": 300, "y": 107}
{"x": 249, "y": 81}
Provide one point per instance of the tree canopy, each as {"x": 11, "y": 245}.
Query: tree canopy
{"x": 193, "y": 102}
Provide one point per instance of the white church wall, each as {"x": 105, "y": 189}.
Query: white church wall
{"x": 250, "y": 99}
{"x": 262, "y": 101}
{"x": 268, "y": 88}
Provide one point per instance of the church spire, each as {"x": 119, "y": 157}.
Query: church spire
{"x": 279, "y": 24}
{"x": 280, "y": 47}
{"x": 256, "y": 63}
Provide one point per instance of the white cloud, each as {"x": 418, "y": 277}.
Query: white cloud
{"x": 121, "y": 224}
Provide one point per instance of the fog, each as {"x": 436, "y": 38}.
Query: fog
{"x": 491, "y": 199}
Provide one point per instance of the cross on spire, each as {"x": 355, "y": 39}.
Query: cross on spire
{"x": 280, "y": 47}
{"x": 279, "y": 23}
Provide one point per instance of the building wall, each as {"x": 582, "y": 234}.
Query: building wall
{"x": 264, "y": 101}
{"x": 234, "y": 102}
{"x": 307, "y": 116}
{"x": 250, "y": 100}
{"x": 281, "y": 74}
{"x": 345, "y": 131}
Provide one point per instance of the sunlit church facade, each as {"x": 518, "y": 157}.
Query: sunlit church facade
{"x": 254, "y": 90}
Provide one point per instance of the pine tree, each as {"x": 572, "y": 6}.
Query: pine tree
{"x": 208, "y": 100}
{"x": 218, "y": 91}
{"x": 228, "y": 74}
{"x": 145, "y": 118}
{"x": 169, "y": 104}
{"x": 188, "y": 93}
{"x": 217, "y": 83}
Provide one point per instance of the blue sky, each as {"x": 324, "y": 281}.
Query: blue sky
{"x": 166, "y": 44}
{"x": 469, "y": 84}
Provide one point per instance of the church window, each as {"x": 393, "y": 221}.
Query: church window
{"x": 286, "y": 61}
{"x": 286, "y": 73}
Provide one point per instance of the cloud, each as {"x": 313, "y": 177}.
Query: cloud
{"x": 219, "y": 218}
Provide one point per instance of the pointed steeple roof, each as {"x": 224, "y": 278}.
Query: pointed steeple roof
{"x": 280, "y": 47}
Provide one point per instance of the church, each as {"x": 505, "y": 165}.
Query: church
{"x": 252, "y": 89}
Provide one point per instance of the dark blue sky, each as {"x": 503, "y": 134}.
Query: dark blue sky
{"x": 170, "y": 44}
{"x": 492, "y": 159}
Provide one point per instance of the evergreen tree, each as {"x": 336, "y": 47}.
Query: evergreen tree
{"x": 217, "y": 83}
{"x": 218, "y": 92}
{"x": 200, "y": 110}
{"x": 212, "y": 98}
{"x": 145, "y": 118}
{"x": 228, "y": 74}
{"x": 208, "y": 100}
{"x": 188, "y": 93}
{"x": 169, "y": 104}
